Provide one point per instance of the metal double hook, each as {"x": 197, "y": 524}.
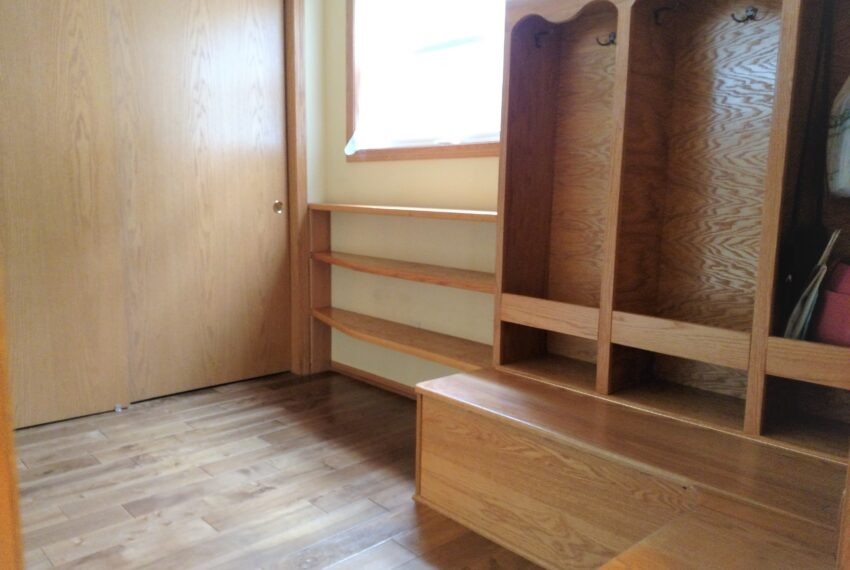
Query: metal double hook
{"x": 610, "y": 41}
{"x": 751, "y": 14}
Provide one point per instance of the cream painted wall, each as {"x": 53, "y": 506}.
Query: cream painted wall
{"x": 315, "y": 95}
{"x": 467, "y": 183}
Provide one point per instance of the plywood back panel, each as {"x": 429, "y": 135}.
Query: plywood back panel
{"x": 60, "y": 220}
{"x": 199, "y": 89}
{"x": 718, "y": 135}
{"x": 644, "y": 162}
{"x": 582, "y": 159}
{"x": 529, "y": 138}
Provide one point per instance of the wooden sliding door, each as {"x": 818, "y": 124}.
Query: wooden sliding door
{"x": 142, "y": 150}
{"x": 60, "y": 211}
{"x": 199, "y": 93}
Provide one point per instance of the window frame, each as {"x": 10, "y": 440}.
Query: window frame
{"x": 466, "y": 150}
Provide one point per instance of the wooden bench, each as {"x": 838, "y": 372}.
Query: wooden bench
{"x": 569, "y": 480}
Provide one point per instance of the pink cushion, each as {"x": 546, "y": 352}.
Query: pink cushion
{"x": 839, "y": 279}
{"x": 832, "y": 324}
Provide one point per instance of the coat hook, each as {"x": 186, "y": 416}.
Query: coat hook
{"x": 538, "y": 38}
{"x": 657, "y": 13}
{"x": 750, "y": 15}
{"x": 611, "y": 41}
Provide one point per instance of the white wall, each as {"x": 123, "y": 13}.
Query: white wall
{"x": 461, "y": 183}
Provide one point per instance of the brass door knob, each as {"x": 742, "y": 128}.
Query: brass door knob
{"x": 278, "y": 207}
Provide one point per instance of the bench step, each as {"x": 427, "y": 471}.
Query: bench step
{"x": 571, "y": 480}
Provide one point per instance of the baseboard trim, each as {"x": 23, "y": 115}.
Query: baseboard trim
{"x": 375, "y": 380}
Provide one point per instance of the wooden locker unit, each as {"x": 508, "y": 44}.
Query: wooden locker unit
{"x": 643, "y": 181}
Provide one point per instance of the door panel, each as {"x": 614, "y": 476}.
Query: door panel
{"x": 60, "y": 212}
{"x": 141, "y": 152}
{"x": 199, "y": 92}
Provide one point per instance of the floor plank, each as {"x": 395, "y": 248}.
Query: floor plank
{"x": 280, "y": 472}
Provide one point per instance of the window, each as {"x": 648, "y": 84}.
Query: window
{"x": 425, "y": 78}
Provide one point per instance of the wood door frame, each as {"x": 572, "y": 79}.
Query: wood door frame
{"x": 10, "y": 540}
{"x": 296, "y": 155}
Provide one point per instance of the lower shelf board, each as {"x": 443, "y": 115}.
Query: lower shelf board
{"x": 684, "y": 402}
{"x": 452, "y": 351}
{"x": 695, "y": 406}
{"x": 558, "y": 371}
{"x": 826, "y": 437}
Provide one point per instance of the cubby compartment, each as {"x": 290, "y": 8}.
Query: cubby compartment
{"x": 697, "y": 392}
{"x": 808, "y": 416}
{"x": 810, "y": 212}
{"x": 559, "y": 138}
{"x": 558, "y": 359}
{"x": 701, "y": 98}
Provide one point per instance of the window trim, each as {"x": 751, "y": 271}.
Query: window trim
{"x": 468, "y": 150}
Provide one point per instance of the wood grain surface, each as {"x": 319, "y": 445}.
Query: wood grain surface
{"x": 60, "y": 212}
{"x": 805, "y": 487}
{"x": 561, "y": 507}
{"x": 582, "y": 158}
{"x": 199, "y": 93}
{"x": 283, "y": 472}
{"x": 697, "y": 132}
{"x": 428, "y": 213}
{"x": 732, "y": 536}
{"x": 844, "y": 547}
{"x": 459, "y": 353}
{"x": 499, "y": 455}
{"x": 10, "y": 537}
{"x": 421, "y": 272}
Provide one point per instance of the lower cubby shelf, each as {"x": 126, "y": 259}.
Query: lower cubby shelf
{"x": 808, "y": 416}
{"x": 557, "y": 371}
{"x": 695, "y": 406}
{"x": 452, "y": 351}
{"x": 825, "y": 437}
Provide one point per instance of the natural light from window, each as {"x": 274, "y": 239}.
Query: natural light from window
{"x": 427, "y": 72}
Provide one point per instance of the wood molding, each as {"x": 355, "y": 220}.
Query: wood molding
{"x": 408, "y": 212}
{"x": 606, "y": 382}
{"x": 816, "y": 363}
{"x": 482, "y": 150}
{"x": 375, "y": 380}
{"x": 10, "y": 545}
{"x": 683, "y": 340}
{"x": 296, "y": 155}
{"x": 554, "y": 316}
{"x": 844, "y": 534}
{"x": 320, "y": 292}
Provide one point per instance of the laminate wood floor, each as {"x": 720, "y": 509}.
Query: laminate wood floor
{"x": 280, "y": 472}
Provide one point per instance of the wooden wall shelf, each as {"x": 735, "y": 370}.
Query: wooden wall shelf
{"x": 426, "y": 213}
{"x": 449, "y": 350}
{"x": 420, "y": 272}
{"x": 445, "y": 349}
